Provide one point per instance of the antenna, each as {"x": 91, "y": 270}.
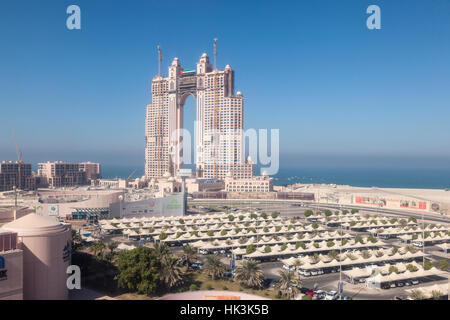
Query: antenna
{"x": 215, "y": 53}
{"x": 159, "y": 60}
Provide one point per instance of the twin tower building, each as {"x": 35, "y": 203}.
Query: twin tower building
{"x": 218, "y": 137}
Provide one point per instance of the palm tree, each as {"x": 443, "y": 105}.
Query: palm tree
{"x": 436, "y": 294}
{"x": 297, "y": 263}
{"x": 289, "y": 283}
{"x": 333, "y": 254}
{"x": 97, "y": 248}
{"x": 189, "y": 255}
{"x": 161, "y": 250}
{"x": 170, "y": 272}
{"x": 112, "y": 246}
{"x": 366, "y": 254}
{"x": 214, "y": 267}
{"x": 250, "y": 274}
{"x": 417, "y": 294}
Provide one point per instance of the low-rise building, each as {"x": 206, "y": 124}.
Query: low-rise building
{"x": 262, "y": 183}
{"x": 55, "y": 174}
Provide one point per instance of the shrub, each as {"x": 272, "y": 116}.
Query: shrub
{"x": 230, "y": 217}
{"x": 250, "y": 249}
{"x": 210, "y": 233}
{"x": 162, "y": 236}
{"x": 308, "y": 213}
{"x": 263, "y": 215}
{"x": 274, "y": 215}
{"x": 443, "y": 265}
{"x": 208, "y": 287}
{"x": 300, "y": 244}
{"x": 193, "y": 287}
{"x": 267, "y": 249}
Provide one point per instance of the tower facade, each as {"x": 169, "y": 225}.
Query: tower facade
{"x": 218, "y": 136}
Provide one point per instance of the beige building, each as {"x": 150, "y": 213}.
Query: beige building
{"x": 219, "y": 122}
{"x": 254, "y": 184}
{"x": 46, "y": 246}
{"x": 11, "y": 267}
{"x": 55, "y": 174}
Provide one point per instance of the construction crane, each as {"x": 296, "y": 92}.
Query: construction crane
{"x": 131, "y": 174}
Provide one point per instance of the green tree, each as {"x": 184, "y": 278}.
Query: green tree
{"x": 289, "y": 284}
{"x": 250, "y": 274}
{"x": 353, "y": 211}
{"x": 170, "y": 271}
{"x": 139, "y": 270}
{"x": 214, "y": 267}
{"x": 267, "y": 249}
{"x": 274, "y": 215}
{"x": 416, "y": 294}
{"x": 163, "y": 236}
{"x": 308, "y": 213}
{"x": 299, "y": 244}
{"x": 436, "y": 294}
{"x": 443, "y": 265}
{"x": 97, "y": 248}
{"x": 161, "y": 250}
{"x": 76, "y": 241}
{"x": 230, "y": 217}
{"x": 427, "y": 265}
{"x": 250, "y": 249}
{"x": 189, "y": 255}
{"x": 328, "y": 213}
{"x": 263, "y": 215}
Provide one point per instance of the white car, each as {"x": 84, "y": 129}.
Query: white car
{"x": 332, "y": 295}
{"x": 314, "y": 273}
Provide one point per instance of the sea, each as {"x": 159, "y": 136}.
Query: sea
{"x": 359, "y": 177}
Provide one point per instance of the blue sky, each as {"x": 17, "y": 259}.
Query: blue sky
{"x": 341, "y": 95}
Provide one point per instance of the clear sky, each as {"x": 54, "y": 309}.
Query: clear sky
{"x": 341, "y": 95}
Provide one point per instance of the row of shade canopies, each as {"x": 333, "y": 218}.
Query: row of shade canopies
{"x": 307, "y": 234}
{"x": 204, "y": 227}
{"x": 310, "y": 248}
{"x": 376, "y": 279}
{"x": 306, "y": 263}
{"x": 365, "y": 272}
{"x": 433, "y": 237}
{"x": 197, "y": 219}
{"x": 267, "y": 240}
{"x": 408, "y": 230}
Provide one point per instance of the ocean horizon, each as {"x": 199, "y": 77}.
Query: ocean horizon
{"x": 358, "y": 177}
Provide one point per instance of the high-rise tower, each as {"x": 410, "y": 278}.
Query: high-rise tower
{"x": 219, "y": 122}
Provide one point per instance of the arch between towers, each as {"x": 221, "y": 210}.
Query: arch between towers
{"x": 182, "y": 96}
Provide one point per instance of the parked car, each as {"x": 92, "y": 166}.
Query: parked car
{"x": 320, "y": 294}
{"x": 331, "y": 295}
{"x": 392, "y": 285}
{"x": 400, "y": 284}
{"x": 415, "y": 281}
